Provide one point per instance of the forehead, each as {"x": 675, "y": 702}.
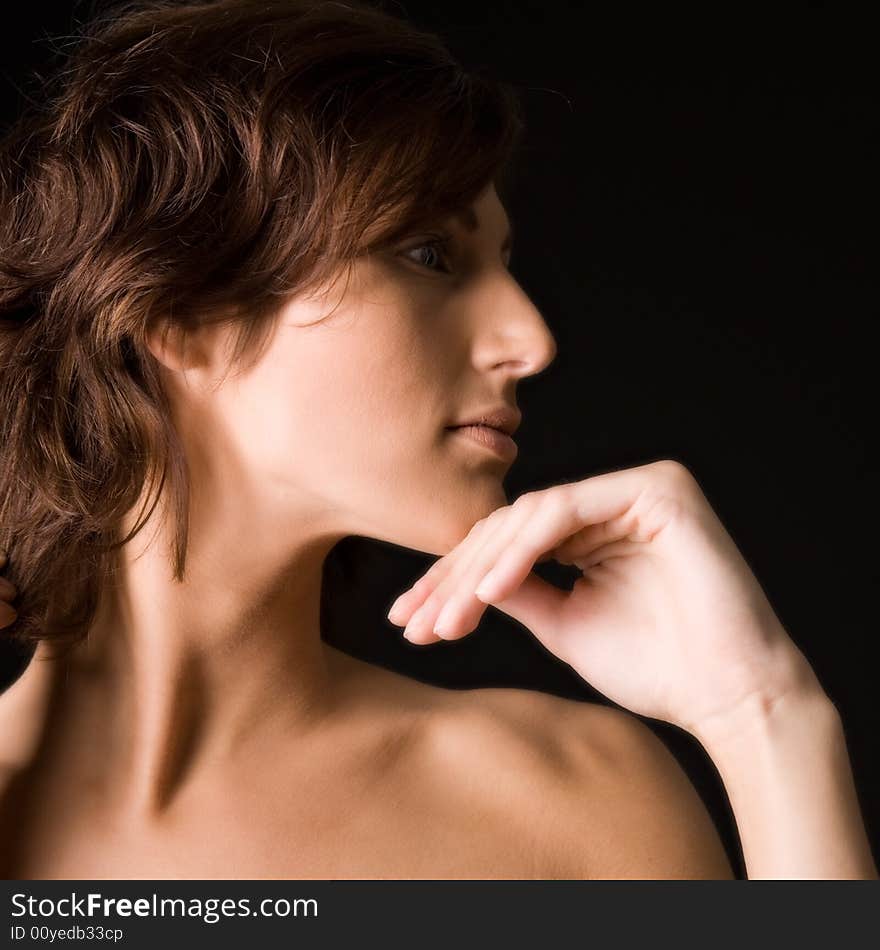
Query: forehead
{"x": 482, "y": 215}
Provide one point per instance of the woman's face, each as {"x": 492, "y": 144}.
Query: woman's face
{"x": 346, "y": 421}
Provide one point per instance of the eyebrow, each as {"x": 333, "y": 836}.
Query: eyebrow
{"x": 467, "y": 217}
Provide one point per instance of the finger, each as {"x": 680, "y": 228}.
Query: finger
{"x": 628, "y": 495}
{"x": 8, "y": 614}
{"x": 608, "y": 499}
{"x": 538, "y": 605}
{"x": 452, "y": 611}
{"x": 555, "y": 518}
{"x": 412, "y": 598}
{"x": 623, "y": 547}
{"x": 8, "y": 591}
{"x": 420, "y": 627}
{"x": 590, "y": 538}
{"x": 409, "y": 600}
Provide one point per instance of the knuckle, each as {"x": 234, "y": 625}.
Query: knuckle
{"x": 424, "y": 583}
{"x": 481, "y": 527}
{"x": 674, "y": 473}
{"x": 526, "y": 502}
{"x": 565, "y": 494}
{"x": 559, "y": 497}
{"x": 436, "y": 598}
{"x": 671, "y": 493}
{"x": 496, "y": 516}
{"x": 544, "y": 501}
{"x": 478, "y": 527}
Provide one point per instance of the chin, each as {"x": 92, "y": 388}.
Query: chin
{"x": 454, "y": 531}
{"x": 436, "y": 520}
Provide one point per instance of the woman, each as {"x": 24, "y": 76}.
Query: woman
{"x": 197, "y": 407}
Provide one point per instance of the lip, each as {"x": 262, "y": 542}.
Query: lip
{"x": 493, "y": 439}
{"x": 503, "y": 417}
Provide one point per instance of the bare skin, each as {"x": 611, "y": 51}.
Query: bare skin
{"x": 403, "y": 781}
{"x": 204, "y": 729}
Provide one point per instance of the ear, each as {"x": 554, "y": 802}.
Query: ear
{"x": 181, "y": 350}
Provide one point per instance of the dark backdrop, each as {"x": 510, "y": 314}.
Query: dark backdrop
{"x": 694, "y": 221}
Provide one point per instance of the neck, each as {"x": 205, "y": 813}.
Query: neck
{"x": 184, "y": 676}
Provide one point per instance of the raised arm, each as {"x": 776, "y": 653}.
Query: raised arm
{"x": 669, "y": 621}
{"x": 787, "y": 774}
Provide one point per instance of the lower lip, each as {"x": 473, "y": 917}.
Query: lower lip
{"x": 498, "y": 442}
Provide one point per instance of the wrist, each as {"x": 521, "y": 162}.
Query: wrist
{"x": 801, "y": 705}
{"x": 784, "y": 763}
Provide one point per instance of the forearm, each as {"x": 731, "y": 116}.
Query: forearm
{"x": 787, "y": 773}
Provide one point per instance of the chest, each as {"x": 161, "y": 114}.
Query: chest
{"x": 396, "y": 827}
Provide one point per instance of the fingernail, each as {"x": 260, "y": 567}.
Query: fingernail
{"x": 486, "y": 589}
{"x": 408, "y": 635}
{"x": 414, "y": 621}
{"x": 396, "y": 614}
{"x": 443, "y": 623}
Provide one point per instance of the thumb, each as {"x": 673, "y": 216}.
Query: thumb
{"x": 537, "y": 605}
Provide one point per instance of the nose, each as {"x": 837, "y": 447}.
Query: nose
{"x": 514, "y": 336}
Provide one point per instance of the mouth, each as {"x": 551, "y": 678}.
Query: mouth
{"x": 488, "y": 437}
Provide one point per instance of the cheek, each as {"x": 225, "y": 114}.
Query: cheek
{"x": 358, "y": 422}
{"x": 338, "y": 405}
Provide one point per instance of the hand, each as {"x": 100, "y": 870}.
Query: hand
{"x": 667, "y": 620}
{"x": 8, "y": 593}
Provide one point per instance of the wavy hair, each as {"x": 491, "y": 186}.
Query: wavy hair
{"x": 186, "y": 163}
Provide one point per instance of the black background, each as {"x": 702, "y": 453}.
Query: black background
{"x": 695, "y": 209}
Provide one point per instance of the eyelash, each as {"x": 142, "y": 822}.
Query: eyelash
{"x": 438, "y": 242}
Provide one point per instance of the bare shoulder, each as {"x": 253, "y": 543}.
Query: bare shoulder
{"x": 24, "y": 706}
{"x": 534, "y": 785}
{"x": 595, "y": 789}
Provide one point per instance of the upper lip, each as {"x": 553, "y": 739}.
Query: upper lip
{"x": 503, "y": 418}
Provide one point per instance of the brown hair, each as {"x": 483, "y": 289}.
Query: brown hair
{"x": 195, "y": 162}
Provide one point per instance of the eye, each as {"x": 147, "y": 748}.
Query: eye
{"x": 438, "y": 250}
